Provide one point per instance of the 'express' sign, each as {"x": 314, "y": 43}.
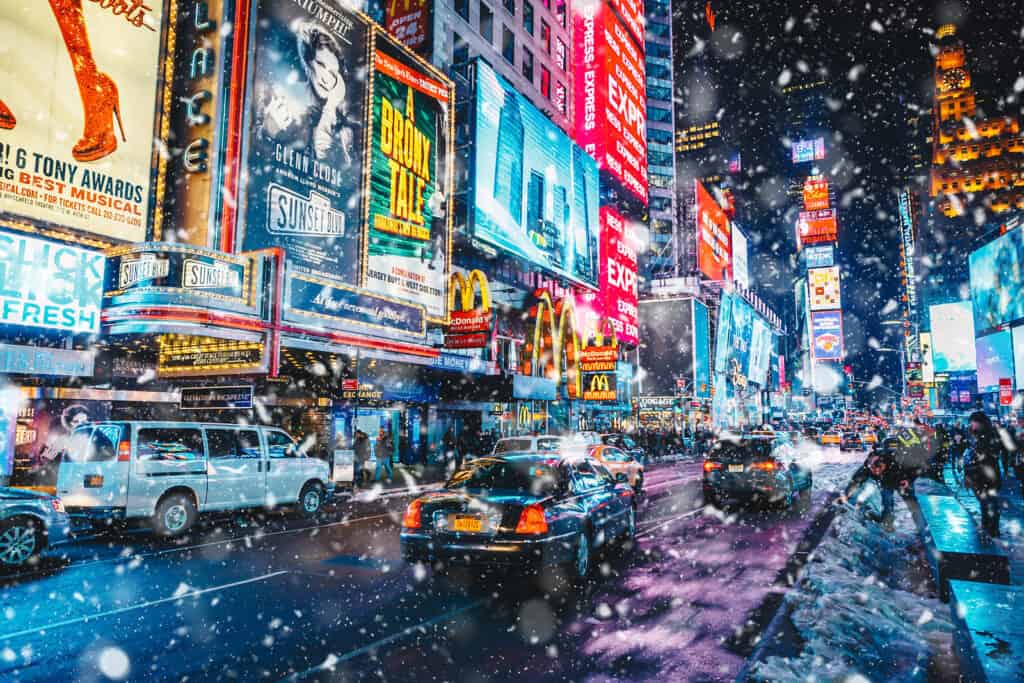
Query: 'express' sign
{"x": 49, "y": 285}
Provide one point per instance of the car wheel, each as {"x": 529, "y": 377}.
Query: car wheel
{"x": 311, "y": 500}
{"x": 20, "y": 541}
{"x": 174, "y": 516}
{"x": 581, "y": 558}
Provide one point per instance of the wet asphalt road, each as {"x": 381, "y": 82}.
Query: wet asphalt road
{"x": 282, "y": 597}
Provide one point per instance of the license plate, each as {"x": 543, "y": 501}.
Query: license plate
{"x": 93, "y": 481}
{"x": 735, "y": 468}
{"x": 470, "y": 524}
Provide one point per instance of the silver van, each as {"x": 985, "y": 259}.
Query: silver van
{"x": 171, "y": 472}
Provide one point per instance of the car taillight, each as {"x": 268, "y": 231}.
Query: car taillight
{"x": 58, "y": 506}
{"x": 532, "y": 520}
{"x": 766, "y": 466}
{"x": 710, "y": 466}
{"x": 413, "y": 518}
{"x": 124, "y": 451}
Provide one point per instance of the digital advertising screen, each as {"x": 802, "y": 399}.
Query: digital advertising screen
{"x": 823, "y": 288}
{"x": 666, "y": 346}
{"x": 740, "y": 258}
{"x": 995, "y": 360}
{"x": 610, "y": 92}
{"x": 410, "y": 190}
{"x": 535, "y": 192}
{"x": 1017, "y": 334}
{"x": 827, "y": 335}
{"x": 412, "y": 23}
{"x": 618, "y": 278}
{"x": 816, "y": 194}
{"x": 821, "y": 256}
{"x": 701, "y": 351}
{"x": 54, "y": 169}
{"x": 632, "y": 14}
{"x": 953, "y": 337}
{"x": 813, "y": 227}
{"x": 714, "y": 236}
{"x": 304, "y": 152}
{"x": 997, "y": 281}
{"x": 734, "y": 339}
{"x": 808, "y": 150}
{"x": 760, "y": 352}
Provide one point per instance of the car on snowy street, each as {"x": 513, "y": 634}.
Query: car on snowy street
{"x": 850, "y": 441}
{"x": 30, "y": 522}
{"x": 756, "y": 470}
{"x": 626, "y": 443}
{"x": 523, "y": 512}
{"x": 527, "y": 444}
{"x": 616, "y": 461}
{"x": 170, "y": 472}
{"x": 832, "y": 437}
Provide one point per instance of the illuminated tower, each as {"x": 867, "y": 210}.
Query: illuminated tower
{"x": 972, "y": 157}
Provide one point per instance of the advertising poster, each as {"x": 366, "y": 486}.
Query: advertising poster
{"x": 808, "y": 150}
{"x": 1018, "y": 355}
{"x": 815, "y": 193}
{"x": 827, "y": 335}
{"x": 43, "y": 434}
{"x": 821, "y": 256}
{"x": 535, "y": 192}
{"x": 823, "y": 288}
{"x": 701, "y": 351}
{"x": 80, "y": 84}
{"x": 995, "y": 360}
{"x": 410, "y": 182}
{"x": 953, "y": 337}
{"x": 740, "y": 269}
{"x": 619, "y": 275}
{"x": 813, "y": 227}
{"x": 412, "y": 23}
{"x": 49, "y": 285}
{"x": 305, "y": 134}
{"x": 666, "y": 346}
{"x": 611, "y": 96}
{"x": 760, "y": 352}
{"x": 714, "y": 237}
{"x": 997, "y": 281}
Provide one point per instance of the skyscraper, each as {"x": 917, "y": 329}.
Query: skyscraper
{"x": 508, "y": 180}
{"x": 662, "y": 259}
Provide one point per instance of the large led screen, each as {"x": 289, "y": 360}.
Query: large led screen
{"x": 827, "y": 335}
{"x": 740, "y": 258}
{"x": 304, "y": 151}
{"x": 814, "y": 227}
{"x": 1018, "y": 355}
{"x": 733, "y": 340}
{"x": 701, "y": 351}
{"x": 808, "y": 150}
{"x": 760, "y": 352}
{"x": 616, "y": 299}
{"x": 80, "y": 80}
{"x": 995, "y": 360}
{"x": 535, "y": 192}
{"x": 816, "y": 194}
{"x": 410, "y": 164}
{"x": 666, "y": 346}
{"x": 412, "y": 22}
{"x": 714, "y": 236}
{"x": 823, "y": 288}
{"x": 953, "y": 337}
{"x": 997, "y": 281}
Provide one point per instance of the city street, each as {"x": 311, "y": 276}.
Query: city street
{"x": 334, "y": 600}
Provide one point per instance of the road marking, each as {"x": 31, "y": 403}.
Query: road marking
{"x": 150, "y": 603}
{"x": 668, "y": 481}
{"x": 332, "y": 661}
{"x": 685, "y": 515}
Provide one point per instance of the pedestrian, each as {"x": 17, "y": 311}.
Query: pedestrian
{"x": 937, "y": 465}
{"x": 463, "y": 448}
{"x": 450, "y": 447}
{"x": 981, "y": 471}
{"x": 882, "y": 466}
{"x": 383, "y": 450}
{"x": 361, "y": 448}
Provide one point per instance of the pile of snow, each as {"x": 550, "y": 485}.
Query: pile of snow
{"x": 861, "y": 609}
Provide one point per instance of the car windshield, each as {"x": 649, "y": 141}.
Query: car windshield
{"x": 531, "y": 476}
{"x": 548, "y": 444}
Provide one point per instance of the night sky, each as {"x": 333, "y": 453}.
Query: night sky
{"x": 877, "y": 58}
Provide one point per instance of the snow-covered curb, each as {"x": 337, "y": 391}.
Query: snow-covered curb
{"x": 861, "y": 609}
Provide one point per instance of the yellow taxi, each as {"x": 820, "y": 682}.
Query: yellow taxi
{"x": 868, "y": 436}
{"x": 619, "y": 461}
{"x": 831, "y": 437}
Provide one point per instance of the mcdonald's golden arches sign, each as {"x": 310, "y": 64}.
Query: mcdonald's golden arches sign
{"x": 470, "y": 325}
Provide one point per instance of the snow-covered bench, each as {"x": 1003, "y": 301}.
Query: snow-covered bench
{"x": 988, "y": 631}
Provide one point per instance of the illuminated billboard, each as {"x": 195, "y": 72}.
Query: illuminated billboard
{"x": 49, "y": 285}
{"x": 740, "y": 258}
{"x": 997, "y": 281}
{"x": 821, "y": 256}
{"x": 714, "y": 236}
{"x": 611, "y": 98}
{"x": 813, "y": 227}
{"x": 1018, "y": 355}
{"x": 666, "y": 350}
{"x": 953, "y": 337}
{"x": 618, "y": 284}
{"x": 995, "y": 359}
{"x": 410, "y": 181}
{"x": 80, "y": 114}
{"x": 701, "y": 351}
{"x": 535, "y": 192}
{"x": 632, "y": 14}
{"x": 816, "y": 194}
{"x": 760, "y": 352}
{"x": 304, "y": 152}
{"x": 827, "y": 335}
{"x": 412, "y": 23}
{"x": 823, "y": 288}
{"x": 808, "y": 150}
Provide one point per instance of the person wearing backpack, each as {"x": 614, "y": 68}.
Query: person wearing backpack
{"x": 981, "y": 471}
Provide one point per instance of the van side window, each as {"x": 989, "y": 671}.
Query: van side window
{"x": 249, "y": 444}
{"x": 104, "y": 442}
{"x": 221, "y": 443}
{"x": 179, "y": 445}
{"x": 280, "y": 445}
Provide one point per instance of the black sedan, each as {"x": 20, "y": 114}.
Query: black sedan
{"x": 521, "y": 511}
{"x": 755, "y": 470}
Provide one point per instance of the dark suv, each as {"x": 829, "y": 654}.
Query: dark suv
{"x": 755, "y": 469}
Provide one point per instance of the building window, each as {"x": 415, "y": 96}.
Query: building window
{"x": 561, "y": 99}
{"x": 510, "y": 6}
{"x": 545, "y": 36}
{"x": 460, "y": 52}
{"x": 545, "y": 82}
{"x": 528, "y": 17}
{"x": 560, "y": 54}
{"x": 560, "y": 12}
{"x": 486, "y": 22}
{"x": 527, "y": 65}
{"x": 508, "y": 45}
{"x": 462, "y": 8}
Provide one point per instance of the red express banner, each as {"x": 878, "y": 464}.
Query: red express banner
{"x": 814, "y": 227}
{"x": 714, "y": 237}
{"x": 611, "y": 105}
{"x": 632, "y": 14}
{"x": 618, "y": 275}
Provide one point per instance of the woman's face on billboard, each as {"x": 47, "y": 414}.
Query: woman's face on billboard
{"x": 326, "y": 72}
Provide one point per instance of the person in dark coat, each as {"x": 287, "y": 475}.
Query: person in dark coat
{"x": 884, "y": 467}
{"x": 451, "y": 448}
{"x": 361, "y": 446}
{"x": 981, "y": 472}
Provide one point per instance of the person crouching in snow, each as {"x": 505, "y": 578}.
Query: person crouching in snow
{"x": 883, "y": 466}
